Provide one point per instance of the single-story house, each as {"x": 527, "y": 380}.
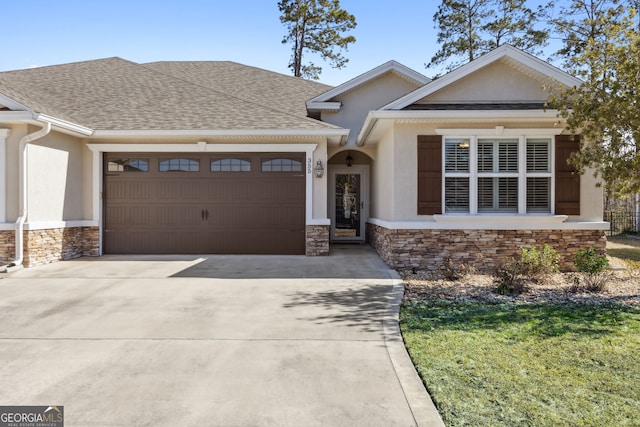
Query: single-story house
{"x": 114, "y": 157}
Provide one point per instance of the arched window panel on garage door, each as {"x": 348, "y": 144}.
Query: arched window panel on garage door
{"x": 179, "y": 165}
{"x": 128, "y": 165}
{"x": 283, "y": 164}
{"x": 230, "y": 165}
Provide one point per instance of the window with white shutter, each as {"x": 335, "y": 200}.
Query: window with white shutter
{"x": 538, "y": 175}
{"x": 497, "y": 175}
{"x": 456, "y": 175}
{"x": 484, "y": 175}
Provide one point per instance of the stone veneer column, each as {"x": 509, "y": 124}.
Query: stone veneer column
{"x": 482, "y": 249}
{"x": 317, "y": 240}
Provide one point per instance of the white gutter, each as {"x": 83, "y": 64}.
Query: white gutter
{"x": 22, "y": 164}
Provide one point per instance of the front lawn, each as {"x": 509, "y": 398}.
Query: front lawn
{"x": 537, "y": 364}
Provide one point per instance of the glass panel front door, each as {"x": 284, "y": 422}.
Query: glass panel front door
{"x": 348, "y": 206}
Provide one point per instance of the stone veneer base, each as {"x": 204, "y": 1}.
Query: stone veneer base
{"x": 7, "y": 245}
{"x": 317, "y": 240}
{"x": 51, "y": 245}
{"x": 482, "y": 249}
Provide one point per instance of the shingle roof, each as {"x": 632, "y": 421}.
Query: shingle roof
{"x": 280, "y": 91}
{"x": 115, "y": 94}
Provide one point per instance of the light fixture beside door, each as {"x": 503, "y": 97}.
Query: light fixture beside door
{"x": 319, "y": 169}
{"x": 349, "y": 159}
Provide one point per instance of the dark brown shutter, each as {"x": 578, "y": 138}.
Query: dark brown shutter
{"x": 567, "y": 177}
{"x": 429, "y": 174}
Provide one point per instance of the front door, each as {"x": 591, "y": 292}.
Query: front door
{"x": 349, "y": 203}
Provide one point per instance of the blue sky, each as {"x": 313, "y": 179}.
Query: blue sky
{"x": 47, "y": 32}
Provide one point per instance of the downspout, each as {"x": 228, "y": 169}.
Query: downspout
{"x": 22, "y": 165}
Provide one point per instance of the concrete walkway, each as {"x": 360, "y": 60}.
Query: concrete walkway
{"x": 211, "y": 341}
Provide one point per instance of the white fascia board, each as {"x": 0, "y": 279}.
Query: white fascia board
{"x": 221, "y": 133}
{"x": 486, "y": 59}
{"x": 476, "y": 116}
{"x": 403, "y": 70}
{"x": 12, "y": 104}
{"x": 15, "y": 116}
{"x": 199, "y": 147}
{"x": 34, "y": 118}
{"x": 65, "y": 126}
{"x": 324, "y": 106}
{"x": 500, "y": 131}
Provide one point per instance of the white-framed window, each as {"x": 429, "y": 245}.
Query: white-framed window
{"x": 506, "y": 174}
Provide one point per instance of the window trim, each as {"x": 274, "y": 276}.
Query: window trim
{"x": 473, "y": 135}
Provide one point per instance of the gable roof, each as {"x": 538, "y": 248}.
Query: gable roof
{"x": 323, "y": 101}
{"x": 402, "y": 109}
{"x": 115, "y": 94}
{"x": 512, "y": 56}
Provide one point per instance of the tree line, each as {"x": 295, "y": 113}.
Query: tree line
{"x": 597, "y": 41}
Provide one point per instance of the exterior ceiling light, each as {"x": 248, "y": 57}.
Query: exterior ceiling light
{"x": 349, "y": 159}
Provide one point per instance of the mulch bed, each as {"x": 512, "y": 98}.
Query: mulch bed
{"x": 623, "y": 287}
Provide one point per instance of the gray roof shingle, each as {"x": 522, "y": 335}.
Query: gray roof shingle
{"x": 282, "y": 92}
{"x": 115, "y": 94}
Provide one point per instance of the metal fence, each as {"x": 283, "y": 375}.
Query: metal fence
{"x": 621, "y": 222}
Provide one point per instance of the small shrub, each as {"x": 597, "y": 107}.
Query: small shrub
{"x": 537, "y": 263}
{"x": 509, "y": 279}
{"x": 594, "y": 268}
{"x": 451, "y": 271}
{"x": 590, "y": 261}
{"x": 515, "y": 275}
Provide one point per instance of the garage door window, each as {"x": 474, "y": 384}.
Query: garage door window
{"x": 179, "y": 165}
{"x": 128, "y": 165}
{"x": 230, "y": 165}
{"x": 281, "y": 165}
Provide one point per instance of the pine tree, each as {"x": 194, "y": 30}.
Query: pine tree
{"x": 459, "y": 24}
{"x": 316, "y": 26}
{"x": 604, "y": 109}
{"x": 470, "y": 28}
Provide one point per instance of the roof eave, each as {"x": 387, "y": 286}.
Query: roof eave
{"x": 333, "y": 135}
{"x": 375, "y": 118}
{"x": 59, "y": 125}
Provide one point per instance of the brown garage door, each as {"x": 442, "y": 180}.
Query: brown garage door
{"x": 204, "y": 203}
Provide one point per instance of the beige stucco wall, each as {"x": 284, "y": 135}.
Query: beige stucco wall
{"x": 87, "y": 183}
{"x": 497, "y": 82}
{"x": 357, "y": 103}
{"x": 384, "y": 194}
{"x": 396, "y": 176}
{"x": 55, "y": 178}
{"x": 12, "y": 178}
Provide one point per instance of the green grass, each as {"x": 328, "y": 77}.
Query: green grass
{"x": 527, "y": 364}
{"x": 627, "y": 254}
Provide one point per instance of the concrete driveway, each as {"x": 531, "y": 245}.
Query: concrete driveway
{"x": 211, "y": 341}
